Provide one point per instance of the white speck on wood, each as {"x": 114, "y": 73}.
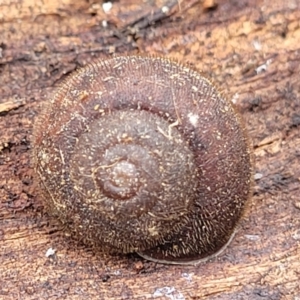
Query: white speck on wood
{"x": 106, "y": 6}
{"x": 50, "y": 252}
{"x": 169, "y": 292}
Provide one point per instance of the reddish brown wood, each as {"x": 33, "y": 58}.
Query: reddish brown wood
{"x": 249, "y": 48}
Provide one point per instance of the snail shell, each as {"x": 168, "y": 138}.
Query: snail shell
{"x": 142, "y": 154}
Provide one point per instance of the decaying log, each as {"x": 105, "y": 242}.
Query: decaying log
{"x": 250, "y": 48}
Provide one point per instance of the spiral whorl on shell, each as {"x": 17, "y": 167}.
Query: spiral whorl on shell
{"x": 143, "y": 154}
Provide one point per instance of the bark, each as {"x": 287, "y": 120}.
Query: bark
{"x": 251, "y": 49}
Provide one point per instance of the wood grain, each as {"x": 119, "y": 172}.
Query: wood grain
{"x": 251, "y": 49}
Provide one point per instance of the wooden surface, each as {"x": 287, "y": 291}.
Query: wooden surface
{"x": 251, "y": 49}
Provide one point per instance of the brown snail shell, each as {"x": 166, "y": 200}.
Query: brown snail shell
{"x": 143, "y": 154}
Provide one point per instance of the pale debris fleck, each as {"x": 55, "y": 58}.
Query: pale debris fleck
{"x": 187, "y": 276}
{"x": 296, "y": 236}
{"x": 258, "y": 176}
{"x": 235, "y": 98}
{"x": 252, "y": 237}
{"x": 104, "y": 23}
{"x": 165, "y": 9}
{"x": 169, "y": 292}
{"x": 117, "y": 272}
{"x": 263, "y": 67}
{"x": 257, "y": 45}
{"x": 106, "y": 6}
{"x": 50, "y": 252}
{"x": 193, "y": 118}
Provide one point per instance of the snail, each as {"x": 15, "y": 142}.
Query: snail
{"x": 144, "y": 154}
